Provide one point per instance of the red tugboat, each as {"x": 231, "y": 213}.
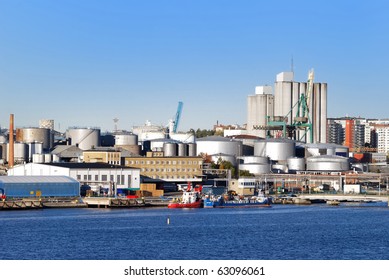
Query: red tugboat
{"x": 190, "y": 199}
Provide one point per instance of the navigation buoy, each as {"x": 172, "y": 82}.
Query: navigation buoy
{"x": 168, "y": 221}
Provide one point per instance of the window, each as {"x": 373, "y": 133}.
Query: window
{"x": 78, "y": 177}
{"x": 85, "y": 177}
{"x": 111, "y": 178}
{"x": 104, "y": 178}
{"x": 129, "y": 181}
{"x": 96, "y": 177}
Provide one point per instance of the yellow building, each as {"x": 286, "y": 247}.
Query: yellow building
{"x": 109, "y": 156}
{"x": 169, "y": 169}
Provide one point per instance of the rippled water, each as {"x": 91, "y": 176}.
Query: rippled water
{"x": 281, "y": 232}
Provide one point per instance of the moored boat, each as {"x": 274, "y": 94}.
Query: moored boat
{"x": 190, "y": 199}
{"x": 236, "y": 201}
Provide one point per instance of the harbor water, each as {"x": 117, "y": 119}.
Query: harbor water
{"x": 281, "y": 232}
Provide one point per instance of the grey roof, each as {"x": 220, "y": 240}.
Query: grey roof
{"x": 36, "y": 179}
{"x": 65, "y": 151}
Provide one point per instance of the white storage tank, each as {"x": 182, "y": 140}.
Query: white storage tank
{"x": 35, "y": 134}
{"x": 20, "y": 152}
{"x": 216, "y": 144}
{"x": 124, "y": 139}
{"x": 38, "y": 158}
{"x": 48, "y": 158}
{"x": 255, "y": 159}
{"x": 275, "y": 149}
{"x": 328, "y": 163}
{"x": 84, "y": 138}
{"x": 170, "y": 149}
{"x": 34, "y": 148}
{"x": 255, "y": 168}
{"x": 279, "y": 168}
{"x": 296, "y": 164}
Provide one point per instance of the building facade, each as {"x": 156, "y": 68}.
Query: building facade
{"x": 157, "y": 167}
{"x": 92, "y": 174}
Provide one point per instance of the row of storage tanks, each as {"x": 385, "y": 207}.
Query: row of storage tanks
{"x": 277, "y": 155}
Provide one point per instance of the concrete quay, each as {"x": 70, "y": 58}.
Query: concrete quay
{"x": 344, "y": 197}
{"x": 111, "y": 202}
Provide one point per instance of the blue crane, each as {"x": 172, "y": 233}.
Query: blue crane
{"x": 178, "y": 116}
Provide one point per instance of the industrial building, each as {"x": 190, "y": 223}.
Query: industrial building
{"x": 102, "y": 155}
{"x": 95, "y": 175}
{"x": 39, "y": 186}
{"x": 266, "y": 112}
{"x": 156, "y": 167}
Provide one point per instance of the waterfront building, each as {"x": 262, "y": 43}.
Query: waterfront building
{"x": 95, "y": 175}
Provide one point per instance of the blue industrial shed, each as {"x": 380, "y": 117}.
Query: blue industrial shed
{"x": 39, "y": 186}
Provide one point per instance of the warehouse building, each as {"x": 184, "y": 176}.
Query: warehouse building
{"x": 97, "y": 176}
{"x": 39, "y": 186}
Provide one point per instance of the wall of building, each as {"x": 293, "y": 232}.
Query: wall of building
{"x": 168, "y": 168}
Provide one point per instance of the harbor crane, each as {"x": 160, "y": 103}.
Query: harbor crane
{"x": 178, "y": 116}
{"x": 301, "y": 121}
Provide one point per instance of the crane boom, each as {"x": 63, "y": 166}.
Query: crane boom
{"x": 178, "y": 116}
{"x": 309, "y": 89}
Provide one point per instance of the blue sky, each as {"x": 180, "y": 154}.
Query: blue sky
{"x": 83, "y": 62}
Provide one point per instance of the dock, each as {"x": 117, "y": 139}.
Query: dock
{"x": 112, "y": 202}
{"x": 20, "y": 204}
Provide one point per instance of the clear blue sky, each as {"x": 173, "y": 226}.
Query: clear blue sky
{"x": 84, "y": 62}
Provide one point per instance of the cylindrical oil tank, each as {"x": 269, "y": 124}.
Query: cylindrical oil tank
{"x": 84, "y": 138}
{"x": 182, "y": 149}
{"x": 48, "y": 158}
{"x": 224, "y": 157}
{"x": 328, "y": 163}
{"x": 34, "y": 148}
{"x": 3, "y": 139}
{"x": 279, "y": 168}
{"x": 255, "y": 168}
{"x": 318, "y": 149}
{"x": 56, "y": 158}
{"x": 4, "y": 151}
{"x": 275, "y": 149}
{"x": 255, "y": 159}
{"x": 219, "y": 145}
{"x": 192, "y": 149}
{"x": 35, "y": 134}
{"x": 38, "y": 158}
{"x": 20, "y": 152}
{"x": 126, "y": 139}
{"x": 170, "y": 149}
{"x": 296, "y": 164}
